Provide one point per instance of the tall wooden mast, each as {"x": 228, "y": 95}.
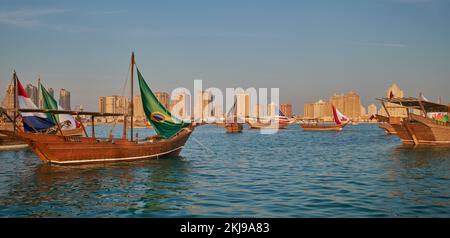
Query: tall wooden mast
{"x": 132, "y": 97}
{"x": 15, "y": 101}
{"x": 39, "y": 93}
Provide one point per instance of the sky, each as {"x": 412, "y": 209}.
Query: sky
{"x": 308, "y": 49}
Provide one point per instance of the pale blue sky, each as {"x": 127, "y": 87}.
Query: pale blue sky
{"x": 309, "y": 49}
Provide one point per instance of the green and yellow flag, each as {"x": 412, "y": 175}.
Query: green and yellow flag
{"x": 161, "y": 119}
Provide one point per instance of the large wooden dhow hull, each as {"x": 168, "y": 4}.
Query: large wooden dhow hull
{"x": 11, "y": 143}
{"x": 420, "y": 130}
{"x": 63, "y": 150}
{"x": 321, "y": 127}
{"x": 387, "y": 128}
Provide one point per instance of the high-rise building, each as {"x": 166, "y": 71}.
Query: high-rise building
{"x": 138, "y": 109}
{"x": 163, "y": 98}
{"x": 372, "y": 109}
{"x": 51, "y": 92}
{"x": 258, "y": 111}
{"x": 179, "y": 107}
{"x": 113, "y": 104}
{"x": 320, "y": 109}
{"x": 243, "y": 105}
{"x": 33, "y": 93}
{"x": 8, "y": 100}
{"x": 102, "y": 104}
{"x": 308, "y": 110}
{"x": 202, "y": 109}
{"x": 286, "y": 109}
{"x": 394, "y": 91}
{"x": 272, "y": 110}
{"x": 349, "y": 104}
{"x": 79, "y": 108}
{"x": 64, "y": 99}
{"x": 363, "y": 111}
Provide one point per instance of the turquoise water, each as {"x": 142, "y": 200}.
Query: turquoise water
{"x": 359, "y": 172}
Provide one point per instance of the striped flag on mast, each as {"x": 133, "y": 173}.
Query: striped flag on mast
{"x": 32, "y": 121}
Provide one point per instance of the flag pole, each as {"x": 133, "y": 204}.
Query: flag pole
{"x": 15, "y": 101}
{"x": 131, "y": 101}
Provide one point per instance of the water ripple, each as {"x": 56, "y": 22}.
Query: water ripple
{"x": 359, "y": 172}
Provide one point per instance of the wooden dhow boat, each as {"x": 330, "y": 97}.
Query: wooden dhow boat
{"x": 171, "y": 135}
{"x": 9, "y": 142}
{"x": 340, "y": 121}
{"x": 231, "y": 122}
{"x": 279, "y": 121}
{"x": 384, "y": 124}
{"x": 424, "y": 128}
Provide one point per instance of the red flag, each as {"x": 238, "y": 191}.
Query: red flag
{"x": 391, "y": 95}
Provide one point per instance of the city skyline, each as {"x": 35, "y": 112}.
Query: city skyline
{"x": 304, "y": 49}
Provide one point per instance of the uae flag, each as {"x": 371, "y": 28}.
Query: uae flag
{"x": 32, "y": 121}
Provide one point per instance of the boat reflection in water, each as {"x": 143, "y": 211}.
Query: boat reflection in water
{"x": 142, "y": 188}
{"x": 418, "y": 173}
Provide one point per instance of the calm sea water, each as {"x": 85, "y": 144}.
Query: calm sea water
{"x": 359, "y": 172}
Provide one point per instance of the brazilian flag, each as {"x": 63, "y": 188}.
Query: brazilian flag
{"x": 49, "y": 103}
{"x": 161, "y": 119}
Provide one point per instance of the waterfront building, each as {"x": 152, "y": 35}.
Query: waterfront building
{"x": 79, "y": 108}
{"x": 102, "y": 104}
{"x": 372, "y": 109}
{"x": 349, "y": 104}
{"x": 243, "y": 104}
{"x": 179, "y": 107}
{"x": 33, "y": 93}
{"x": 258, "y": 111}
{"x": 64, "y": 99}
{"x": 286, "y": 109}
{"x": 113, "y": 104}
{"x": 51, "y": 92}
{"x": 202, "y": 110}
{"x": 138, "y": 109}
{"x": 320, "y": 109}
{"x": 394, "y": 91}
{"x": 163, "y": 98}
{"x": 272, "y": 110}
{"x": 8, "y": 100}
{"x": 363, "y": 111}
{"x": 308, "y": 110}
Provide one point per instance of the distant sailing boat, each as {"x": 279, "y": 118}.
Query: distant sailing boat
{"x": 279, "y": 121}
{"x": 231, "y": 124}
{"x": 171, "y": 137}
{"x": 340, "y": 121}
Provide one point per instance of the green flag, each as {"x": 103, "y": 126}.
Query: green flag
{"x": 49, "y": 103}
{"x": 445, "y": 119}
{"x": 161, "y": 119}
